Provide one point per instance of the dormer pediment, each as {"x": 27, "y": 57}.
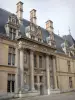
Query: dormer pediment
{"x": 12, "y": 20}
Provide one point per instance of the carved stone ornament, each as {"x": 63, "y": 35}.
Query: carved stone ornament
{"x": 13, "y": 19}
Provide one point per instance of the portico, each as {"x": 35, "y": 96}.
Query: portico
{"x": 37, "y": 66}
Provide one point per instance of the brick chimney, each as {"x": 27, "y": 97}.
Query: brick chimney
{"x": 20, "y": 12}
{"x": 33, "y": 16}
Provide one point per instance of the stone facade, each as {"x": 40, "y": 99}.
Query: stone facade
{"x": 28, "y": 65}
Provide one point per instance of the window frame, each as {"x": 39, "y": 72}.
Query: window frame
{"x": 11, "y": 52}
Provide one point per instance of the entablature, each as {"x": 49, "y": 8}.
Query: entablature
{"x": 35, "y": 46}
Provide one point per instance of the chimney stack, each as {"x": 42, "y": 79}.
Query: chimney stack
{"x": 33, "y": 16}
{"x": 49, "y": 26}
{"x": 20, "y": 12}
{"x": 50, "y": 29}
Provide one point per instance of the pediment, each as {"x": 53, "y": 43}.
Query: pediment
{"x": 13, "y": 19}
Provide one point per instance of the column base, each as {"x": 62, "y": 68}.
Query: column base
{"x": 28, "y": 93}
{"x": 54, "y": 91}
{"x": 47, "y": 91}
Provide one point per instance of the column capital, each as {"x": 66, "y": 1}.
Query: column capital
{"x": 20, "y": 45}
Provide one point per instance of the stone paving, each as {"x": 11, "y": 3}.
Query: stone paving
{"x": 63, "y": 96}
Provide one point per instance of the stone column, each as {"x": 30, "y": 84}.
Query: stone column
{"x": 22, "y": 68}
{"x": 17, "y": 70}
{"x": 54, "y": 72}
{"x": 48, "y": 74}
{"x": 31, "y": 71}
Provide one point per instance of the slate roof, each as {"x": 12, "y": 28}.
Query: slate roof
{"x": 59, "y": 40}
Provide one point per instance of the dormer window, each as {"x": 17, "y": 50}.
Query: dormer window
{"x": 13, "y": 20}
{"x": 11, "y": 27}
{"x": 12, "y": 33}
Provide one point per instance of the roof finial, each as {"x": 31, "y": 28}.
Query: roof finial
{"x": 58, "y": 33}
{"x": 69, "y": 31}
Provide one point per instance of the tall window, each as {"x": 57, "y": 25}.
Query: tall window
{"x": 41, "y": 78}
{"x": 40, "y": 61}
{"x": 11, "y": 56}
{"x": 35, "y": 79}
{"x": 11, "y": 83}
{"x": 35, "y": 61}
{"x": 70, "y": 82}
{"x": 12, "y": 33}
{"x": 69, "y": 66}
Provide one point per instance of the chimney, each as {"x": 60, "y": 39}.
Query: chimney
{"x": 49, "y": 26}
{"x": 50, "y": 29}
{"x": 33, "y": 16}
{"x": 20, "y": 12}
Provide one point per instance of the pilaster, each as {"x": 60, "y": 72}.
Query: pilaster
{"x": 54, "y": 71}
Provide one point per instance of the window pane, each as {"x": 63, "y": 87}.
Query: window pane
{"x": 13, "y": 59}
{"x": 40, "y": 61}
{"x": 9, "y": 59}
{"x": 35, "y": 79}
{"x": 13, "y": 86}
{"x": 9, "y": 77}
{"x": 35, "y": 61}
{"x": 8, "y": 86}
{"x": 13, "y": 77}
{"x": 13, "y": 50}
{"x": 70, "y": 82}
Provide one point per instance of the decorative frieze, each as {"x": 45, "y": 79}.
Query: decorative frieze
{"x": 35, "y": 47}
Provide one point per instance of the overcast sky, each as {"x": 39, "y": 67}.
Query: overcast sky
{"x": 61, "y": 12}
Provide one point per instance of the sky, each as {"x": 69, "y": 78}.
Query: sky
{"x": 61, "y": 12}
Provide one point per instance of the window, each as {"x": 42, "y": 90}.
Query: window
{"x": 69, "y": 66}
{"x": 41, "y": 78}
{"x": 35, "y": 61}
{"x": 35, "y": 79}
{"x": 9, "y": 59}
{"x": 70, "y": 82}
{"x": 40, "y": 61}
{"x": 11, "y": 83}
{"x": 11, "y": 56}
{"x": 12, "y": 33}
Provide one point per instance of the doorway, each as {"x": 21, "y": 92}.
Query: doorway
{"x": 41, "y": 90}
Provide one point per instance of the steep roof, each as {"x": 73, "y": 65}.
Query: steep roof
{"x": 59, "y": 40}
